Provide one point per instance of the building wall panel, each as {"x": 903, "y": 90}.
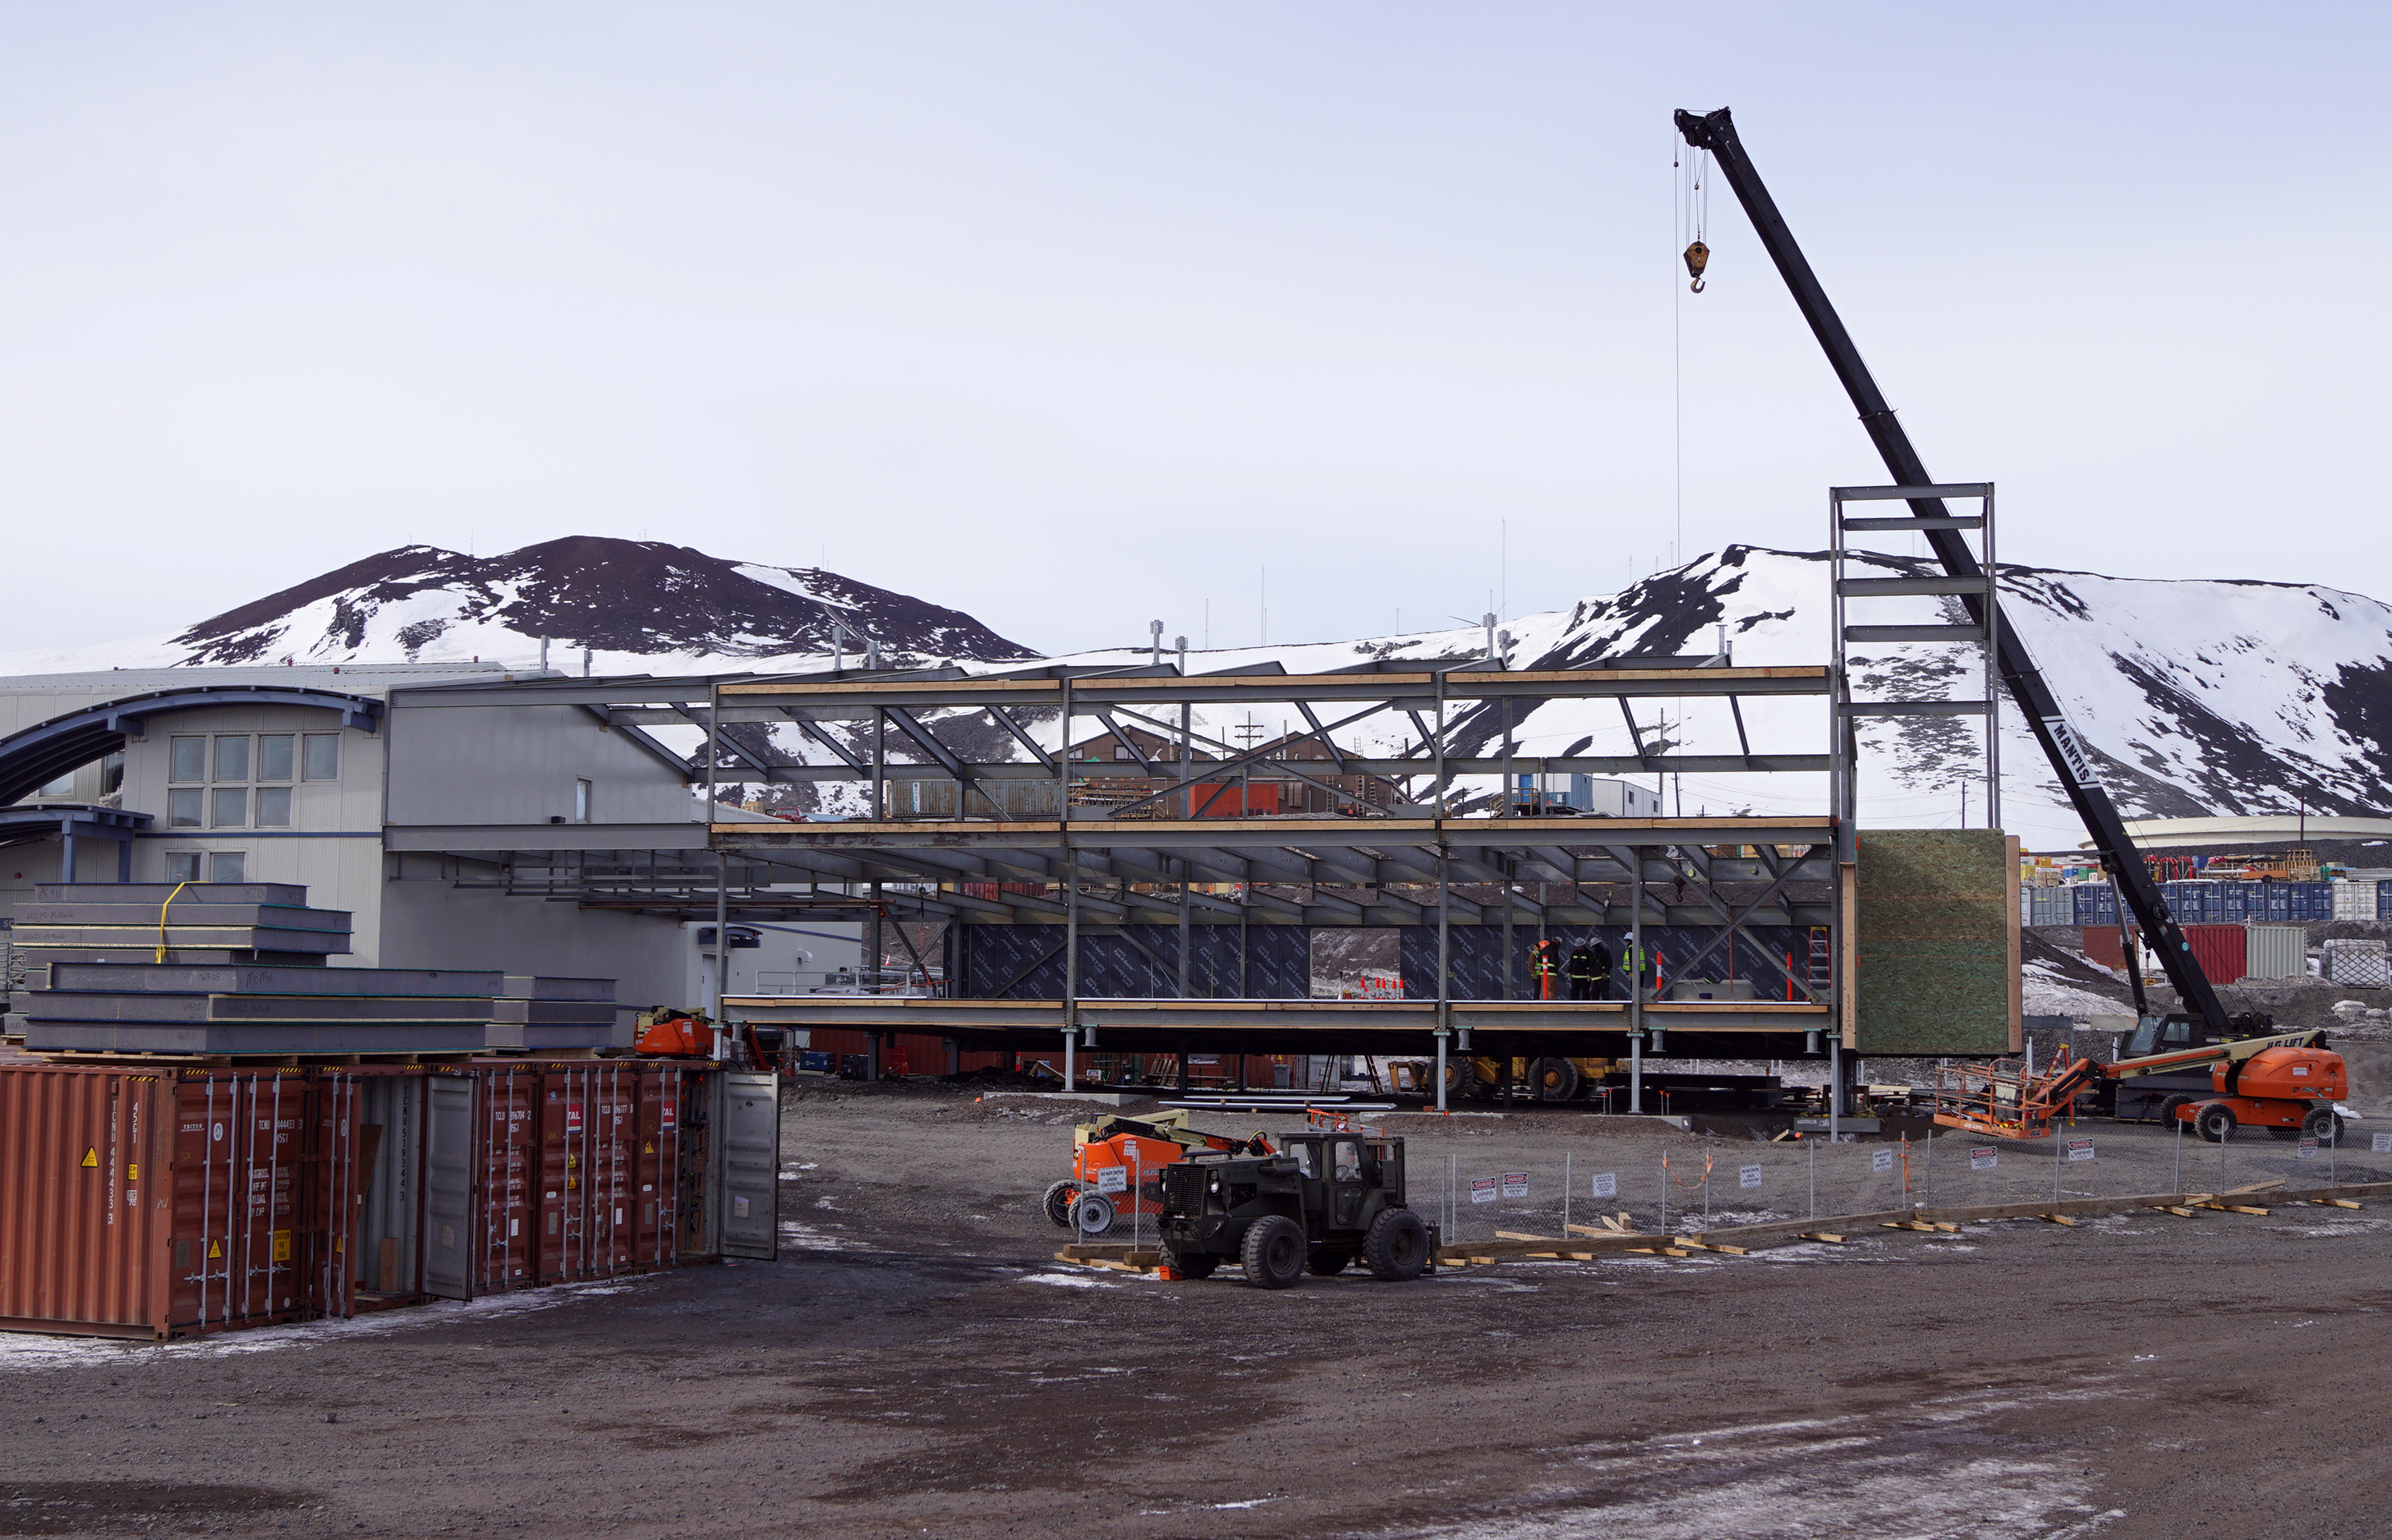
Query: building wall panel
{"x": 1935, "y": 942}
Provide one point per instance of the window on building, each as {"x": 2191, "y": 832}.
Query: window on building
{"x": 274, "y": 753}
{"x": 581, "y": 802}
{"x": 228, "y": 807}
{"x": 232, "y": 758}
{"x": 183, "y": 807}
{"x": 273, "y": 807}
{"x": 62, "y": 786}
{"x": 182, "y": 866}
{"x": 111, "y": 774}
{"x": 227, "y": 866}
{"x": 323, "y": 756}
{"x": 1121, "y": 751}
{"x": 187, "y": 759}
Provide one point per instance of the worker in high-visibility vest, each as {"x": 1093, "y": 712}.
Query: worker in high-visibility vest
{"x": 1546, "y": 962}
{"x": 1634, "y": 961}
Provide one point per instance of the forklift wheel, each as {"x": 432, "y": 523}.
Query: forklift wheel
{"x": 1057, "y": 1203}
{"x": 1274, "y": 1252}
{"x": 1093, "y": 1215}
{"x": 1397, "y": 1246}
{"x": 1194, "y": 1264}
{"x": 2321, "y": 1125}
{"x": 2214, "y": 1123}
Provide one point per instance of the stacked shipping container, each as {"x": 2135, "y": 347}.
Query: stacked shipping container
{"x": 178, "y": 1202}
{"x": 2213, "y": 902}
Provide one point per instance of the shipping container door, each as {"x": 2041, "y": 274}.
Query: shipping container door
{"x": 270, "y": 1141}
{"x": 507, "y": 1178}
{"x": 337, "y": 1174}
{"x": 660, "y": 1146}
{"x": 748, "y": 1162}
{"x": 386, "y": 1245}
{"x": 561, "y": 1131}
{"x": 449, "y": 1142}
{"x": 614, "y": 1186}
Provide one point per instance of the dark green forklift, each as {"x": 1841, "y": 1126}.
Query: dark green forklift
{"x": 1323, "y": 1201}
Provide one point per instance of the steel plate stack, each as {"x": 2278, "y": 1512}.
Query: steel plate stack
{"x": 211, "y": 998}
{"x": 212, "y": 922}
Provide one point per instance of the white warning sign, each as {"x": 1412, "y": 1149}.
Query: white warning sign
{"x": 1606, "y": 1183}
{"x": 1984, "y": 1158}
{"x": 1748, "y": 1176}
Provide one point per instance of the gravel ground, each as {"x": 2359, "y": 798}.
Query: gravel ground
{"x": 915, "y": 1363}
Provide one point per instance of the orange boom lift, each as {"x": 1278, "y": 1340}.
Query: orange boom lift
{"x": 2286, "y": 1084}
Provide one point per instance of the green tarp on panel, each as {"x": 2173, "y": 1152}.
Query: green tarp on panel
{"x": 1935, "y": 942}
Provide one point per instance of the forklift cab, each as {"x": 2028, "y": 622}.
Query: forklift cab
{"x": 1339, "y": 1171}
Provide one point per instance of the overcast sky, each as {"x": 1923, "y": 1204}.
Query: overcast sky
{"x": 1072, "y": 315}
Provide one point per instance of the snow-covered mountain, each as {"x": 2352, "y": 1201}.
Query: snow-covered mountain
{"x": 640, "y": 606}
{"x": 2198, "y": 698}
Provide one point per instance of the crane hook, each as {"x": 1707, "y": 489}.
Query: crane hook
{"x": 1698, "y": 256}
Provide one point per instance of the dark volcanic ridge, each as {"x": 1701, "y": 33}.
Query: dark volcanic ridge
{"x": 641, "y": 597}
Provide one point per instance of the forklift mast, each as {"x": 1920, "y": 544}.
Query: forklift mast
{"x": 1715, "y": 131}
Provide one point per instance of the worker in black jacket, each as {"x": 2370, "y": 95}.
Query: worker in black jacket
{"x": 1590, "y": 971}
{"x": 1545, "y": 964}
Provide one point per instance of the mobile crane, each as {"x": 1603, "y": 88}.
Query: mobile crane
{"x": 2078, "y": 773}
{"x": 2286, "y": 1083}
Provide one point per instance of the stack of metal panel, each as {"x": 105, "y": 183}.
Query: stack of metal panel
{"x": 196, "y": 923}
{"x": 181, "y": 1008}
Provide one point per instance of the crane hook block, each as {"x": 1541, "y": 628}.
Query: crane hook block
{"x": 1698, "y": 257}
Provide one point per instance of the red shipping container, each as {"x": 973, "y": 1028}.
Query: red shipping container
{"x": 2102, "y": 946}
{"x": 2222, "y": 951}
{"x": 480, "y": 1148}
{"x": 656, "y": 1231}
{"x": 609, "y": 1169}
{"x": 159, "y": 1204}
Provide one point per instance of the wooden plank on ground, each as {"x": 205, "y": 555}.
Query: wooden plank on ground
{"x": 1600, "y": 1241}
{"x": 1785, "y": 1232}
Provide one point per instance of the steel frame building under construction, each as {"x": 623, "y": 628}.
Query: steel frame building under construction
{"x": 1010, "y": 846}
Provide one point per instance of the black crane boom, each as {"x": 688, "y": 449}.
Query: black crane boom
{"x": 1716, "y": 132}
